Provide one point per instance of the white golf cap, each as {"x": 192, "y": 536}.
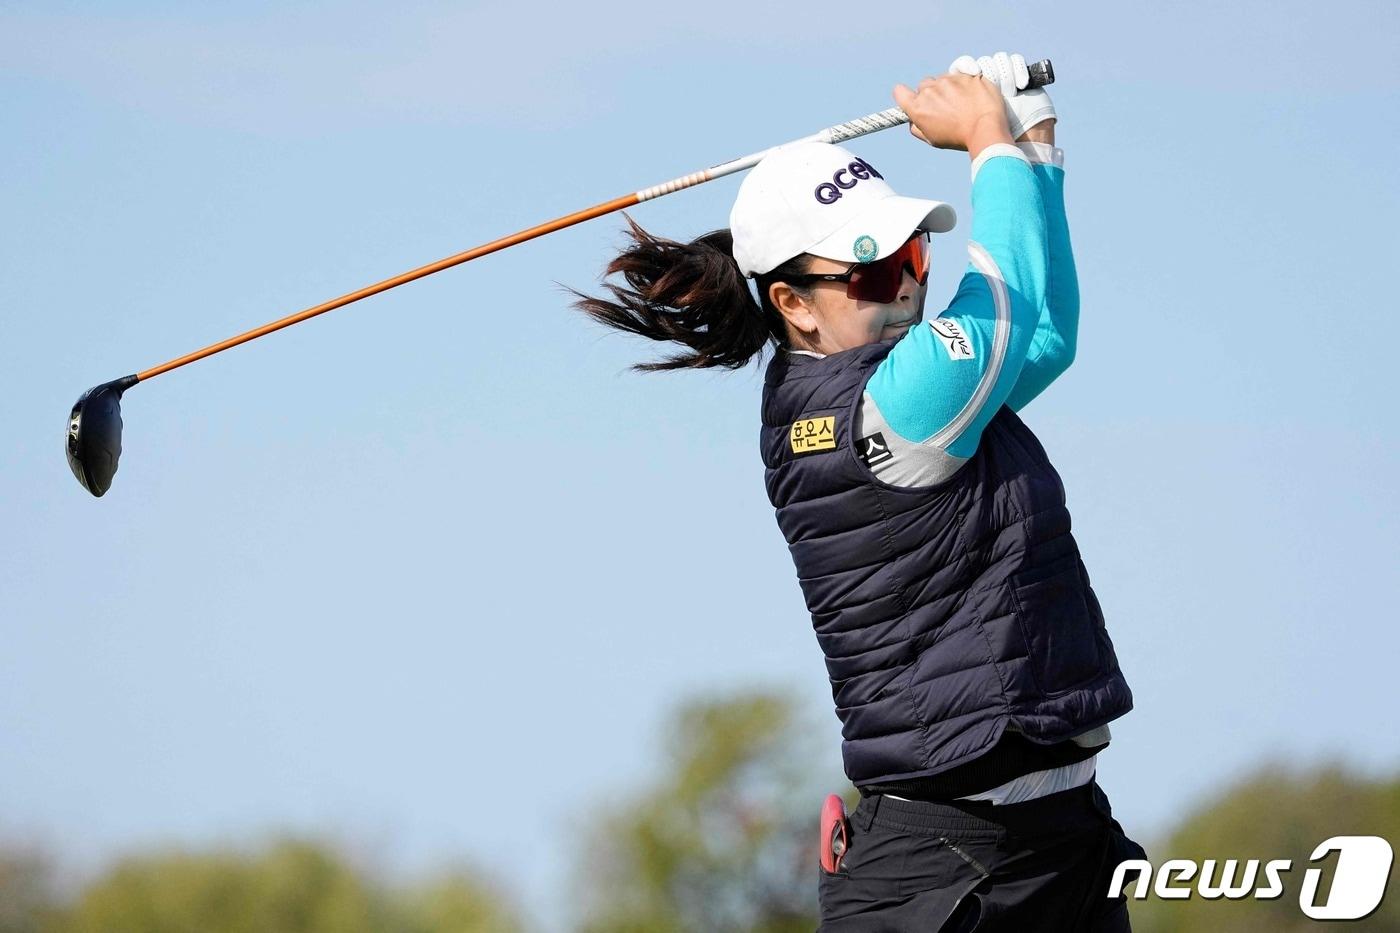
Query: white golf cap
{"x": 819, "y": 198}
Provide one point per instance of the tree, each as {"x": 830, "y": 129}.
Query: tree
{"x": 1274, "y": 813}
{"x": 292, "y": 887}
{"x": 455, "y": 904}
{"x": 724, "y": 839}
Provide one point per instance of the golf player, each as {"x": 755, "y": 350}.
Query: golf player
{"x": 967, "y": 653}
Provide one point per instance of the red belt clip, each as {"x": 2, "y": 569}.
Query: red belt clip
{"x": 835, "y": 833}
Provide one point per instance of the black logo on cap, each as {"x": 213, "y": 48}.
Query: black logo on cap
{"x": 829, "y": 192}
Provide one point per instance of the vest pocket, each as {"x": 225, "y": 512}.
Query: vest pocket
{"x": 1060, "y": 632}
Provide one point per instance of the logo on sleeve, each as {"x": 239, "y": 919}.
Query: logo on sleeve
{"x": 873, "y": 449}
{"x": 812, "y": 434}
{"x": 952, "y": 338}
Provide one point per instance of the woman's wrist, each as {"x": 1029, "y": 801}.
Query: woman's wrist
{"x": 987, "y": 131}
{"x": 1043, "y": 132}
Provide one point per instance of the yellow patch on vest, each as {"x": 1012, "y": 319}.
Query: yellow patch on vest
{"x": 811, "y": 434}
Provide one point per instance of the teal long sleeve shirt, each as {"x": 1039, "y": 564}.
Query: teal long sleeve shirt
{"x": 1007, "y": 334}
{"x": 1057, "y": 331}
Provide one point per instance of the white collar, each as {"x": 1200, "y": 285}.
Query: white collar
{"x": 812, "y": 353}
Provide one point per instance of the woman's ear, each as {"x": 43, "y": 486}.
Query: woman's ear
{"x": 795, "y": 309}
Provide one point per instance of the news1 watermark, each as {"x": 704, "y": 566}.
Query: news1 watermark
{"x": 1359, "y": 877}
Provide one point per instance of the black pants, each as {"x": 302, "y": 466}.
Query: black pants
{"x": 1041, "y": 865}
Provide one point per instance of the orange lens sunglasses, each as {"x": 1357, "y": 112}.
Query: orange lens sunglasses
{"x": 879, "y": 281}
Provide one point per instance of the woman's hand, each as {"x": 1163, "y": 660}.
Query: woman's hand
{"x": 955, "y": 111}
{"x": 1028, "y": 110}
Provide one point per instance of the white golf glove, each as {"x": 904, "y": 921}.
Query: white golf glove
{"x": 1024, "y": 108}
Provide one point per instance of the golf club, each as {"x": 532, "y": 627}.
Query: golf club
{"x": 94, "y": 439}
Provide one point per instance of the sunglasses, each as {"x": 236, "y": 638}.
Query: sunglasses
{"x": 879, "y": 281}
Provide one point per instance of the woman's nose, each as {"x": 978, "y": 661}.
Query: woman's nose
{"x": 908, "y": 288}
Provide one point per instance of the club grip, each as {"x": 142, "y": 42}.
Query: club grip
{"x": 1042, "y": 73}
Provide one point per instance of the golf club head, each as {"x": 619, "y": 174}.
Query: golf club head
{"x": 95, "y": 434}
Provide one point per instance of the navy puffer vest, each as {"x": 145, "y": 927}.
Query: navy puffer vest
{"x": 946, "y": 613}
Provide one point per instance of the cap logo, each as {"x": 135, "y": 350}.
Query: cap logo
{"x": 865, "y": 248}
{"x": 829, "y": 192}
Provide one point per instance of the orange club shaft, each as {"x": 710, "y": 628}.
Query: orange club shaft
{"x": 568, "y": 220}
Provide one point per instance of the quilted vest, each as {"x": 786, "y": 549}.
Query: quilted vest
{"x": 946, "y": 613}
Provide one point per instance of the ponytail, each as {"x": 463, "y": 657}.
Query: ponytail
{"x": 692, "y": 294}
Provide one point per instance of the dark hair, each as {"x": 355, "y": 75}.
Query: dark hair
{"x": 693, "y": 294}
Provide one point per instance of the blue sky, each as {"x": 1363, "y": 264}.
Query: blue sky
{"x": 365, "y": 576}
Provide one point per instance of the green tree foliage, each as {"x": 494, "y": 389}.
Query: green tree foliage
{"x": 455, "y": 904}
{"x": 1275, "y": 813}
{"x": 724, "y": 839}
{"x": 291, "y": 887}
